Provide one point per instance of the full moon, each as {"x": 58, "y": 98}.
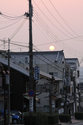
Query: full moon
{"x": 51, "y": 48}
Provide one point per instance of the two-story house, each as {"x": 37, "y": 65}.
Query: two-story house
{"x": 49, "y": 62}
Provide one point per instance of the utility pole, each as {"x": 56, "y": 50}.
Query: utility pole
{"x": 50, "y": 96}
{"x": 31, "y": 78}
{"x": 79, "y": 96}
{"x": 9, "y": 81}
{"x": 65, "y": 102}
{"x": 74, "y": 82}
{"x": 4, "y": 75}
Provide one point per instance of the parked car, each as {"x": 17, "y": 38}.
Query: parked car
{"x": 16, "y": 116}
{"x": 16, "y": 113}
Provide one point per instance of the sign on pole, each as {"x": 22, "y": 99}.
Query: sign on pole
{"x": 7, "y": 79}
{"x": 31, "y": 104}
{"x": 31, "y": 93}
{"x": 36, "y": 73}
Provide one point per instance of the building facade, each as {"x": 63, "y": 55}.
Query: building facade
{"x": 50, "y": 64}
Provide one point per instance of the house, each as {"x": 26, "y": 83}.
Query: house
{"x": 19, "y": 78}
{"x": 51, "y": 64}
{"x": 74, "y": 66}
{"x": 81, "y": 87}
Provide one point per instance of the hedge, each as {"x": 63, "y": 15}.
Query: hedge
{"x": 36, "y": 119}
{"x": 53, "y": 119}
{"x": 65, "y": 117}
{"x": 78, "y": 115}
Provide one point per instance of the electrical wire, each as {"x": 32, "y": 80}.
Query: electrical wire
{"x": 45, "y": 16}
{"x": 60, "y": 40}
{"x": 6, "y": 41}
{"x": 63, "y": 19}
{"x": 50, "y": 32}
{"x": 43, "y": 34}
{"x": 19, "y": 42}
{"x": 56, "y": 19}
{"x": 57, "y": 67}
{"x": 38, "y": 57}
{"x": 50, "y": 20}
{"x": 11, "y": 18}
{"x": 48, "y": 63}
{"x": 11, "y": 37}
{"x": 19, "y": 45}
{"x": 47, "y": 58}
{"x": 50, "y": 42}
{"x": 44, "y": 26}
{"x": 10, "y": 24}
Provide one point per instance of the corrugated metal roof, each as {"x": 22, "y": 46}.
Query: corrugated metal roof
{"x": 50, "y": 76}
{"x": 53, "y": 56}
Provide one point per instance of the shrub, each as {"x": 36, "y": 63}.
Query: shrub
{"x": 53, "y": 119}
{"x": 36, "y": 119}
{"x": 31, "y": 120}
{"x": 79, "y": 115}
{"x": 41, "y": 119}
{"x": 65, "y": 117}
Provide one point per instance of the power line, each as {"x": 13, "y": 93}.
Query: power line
{"x": 60, "y": 40}
{"x": 44, "y": 26}
{"x": 57, "y": 66}
{"x": 47, "y": 63}
{"x": 63, "y": 19}
{"x": 50, "y": 21}
{"x": 56, "y": 19}
{"x": 19, "y": 45}
{"x": 10, "y": 17}
{"x": 47, "y": 58}
{"x": 50, "y": 32}
{"x": 38, "y": 57}
{"x": 14, "y": 43}
{"x": 11, "y": 37}
{"x": 10, "y": 24}
{"x": 19, "y": 42}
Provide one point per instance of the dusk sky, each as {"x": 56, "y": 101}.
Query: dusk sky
{"x": 55, "y": 22}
